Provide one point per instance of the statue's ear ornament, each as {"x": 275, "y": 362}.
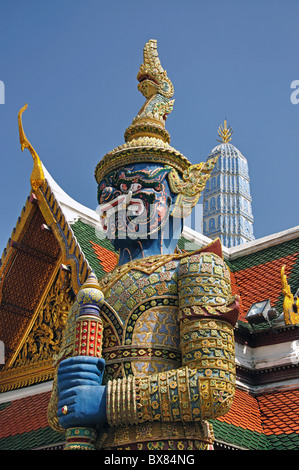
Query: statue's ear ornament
{"x": 189, "y": 186}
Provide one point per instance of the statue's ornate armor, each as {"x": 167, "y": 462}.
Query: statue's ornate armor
{"x": 169, "y": 350}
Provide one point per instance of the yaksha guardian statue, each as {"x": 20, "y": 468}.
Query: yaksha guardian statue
{"x": 167, "y": 362}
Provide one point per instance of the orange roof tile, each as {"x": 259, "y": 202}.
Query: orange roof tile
{"x": 107, "y": 258}
{"x": 260, "y": 282}
{"x": 244, "y": 412}
{"x": 280, "y": 412}
{"x": 24, "y": 415}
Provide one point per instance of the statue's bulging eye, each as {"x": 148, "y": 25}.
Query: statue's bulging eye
{"x": 130, "y": 187}
{"x": 135, "y": 187}
{"x": 158, "y": 187}
{"x": 124, "y": 187}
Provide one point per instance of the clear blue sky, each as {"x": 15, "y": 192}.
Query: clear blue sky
{"x": 75, "y": 63}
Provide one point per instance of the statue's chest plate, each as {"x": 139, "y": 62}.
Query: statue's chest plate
{"x": 143, "y": 309}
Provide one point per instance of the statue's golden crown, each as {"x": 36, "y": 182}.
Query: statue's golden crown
{"x": 147, "y": 140}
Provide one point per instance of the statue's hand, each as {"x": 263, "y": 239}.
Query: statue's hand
{"x": 82, "y": 398}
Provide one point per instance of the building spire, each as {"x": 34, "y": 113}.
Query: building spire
{"x": 227, "y": 203}
{"x": 225, "y": 133}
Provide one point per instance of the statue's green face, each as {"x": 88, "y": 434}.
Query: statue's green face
{"x": 135, "y": 202}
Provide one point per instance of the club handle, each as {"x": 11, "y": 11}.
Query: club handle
{"x": 88, "y": 342}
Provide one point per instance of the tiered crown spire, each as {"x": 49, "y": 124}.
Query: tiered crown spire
{"x": 147, "y": 140}
{"x": 157, "y": 88}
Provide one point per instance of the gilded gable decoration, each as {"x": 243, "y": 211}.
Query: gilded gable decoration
{"x": 44, "y": 339}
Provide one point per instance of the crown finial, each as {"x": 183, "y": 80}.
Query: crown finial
{"x": 157, "y": 88}
{"x": 225, "y": 133}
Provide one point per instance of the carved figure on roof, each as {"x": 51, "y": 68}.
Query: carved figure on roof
{"x": 290, "y": 302}
{"x": 167, "y": 362}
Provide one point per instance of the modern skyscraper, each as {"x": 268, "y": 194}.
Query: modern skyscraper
{"x": 227, "y": 210}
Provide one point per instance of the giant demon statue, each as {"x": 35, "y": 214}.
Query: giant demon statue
{"x": 167, "y": 362}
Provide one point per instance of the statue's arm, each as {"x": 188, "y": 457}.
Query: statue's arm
{"x": 202, "y": 388}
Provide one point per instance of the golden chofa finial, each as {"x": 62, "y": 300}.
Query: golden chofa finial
{"x": 37, "y": 178}
{"x": 225, "y": 133}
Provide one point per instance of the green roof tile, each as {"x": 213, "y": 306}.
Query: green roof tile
{"x": 85, "y": 234}
{"x": 234, "y": 435}
{"x": 31, "y": 440}
{"x": 264, "y": 256}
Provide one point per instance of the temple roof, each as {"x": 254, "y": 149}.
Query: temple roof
{"x": 264, "y": 420}
{"x": 83, "y": 249}
{"x": 264, "y": 267}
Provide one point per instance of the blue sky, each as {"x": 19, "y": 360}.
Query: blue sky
{"x": 75, "y": 63}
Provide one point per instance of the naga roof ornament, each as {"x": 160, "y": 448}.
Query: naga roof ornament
{"x": 147, "y": 140}
{"x": 37, "y": 178}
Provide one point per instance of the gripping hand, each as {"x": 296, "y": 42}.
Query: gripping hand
{"x": 82, "y": 398}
